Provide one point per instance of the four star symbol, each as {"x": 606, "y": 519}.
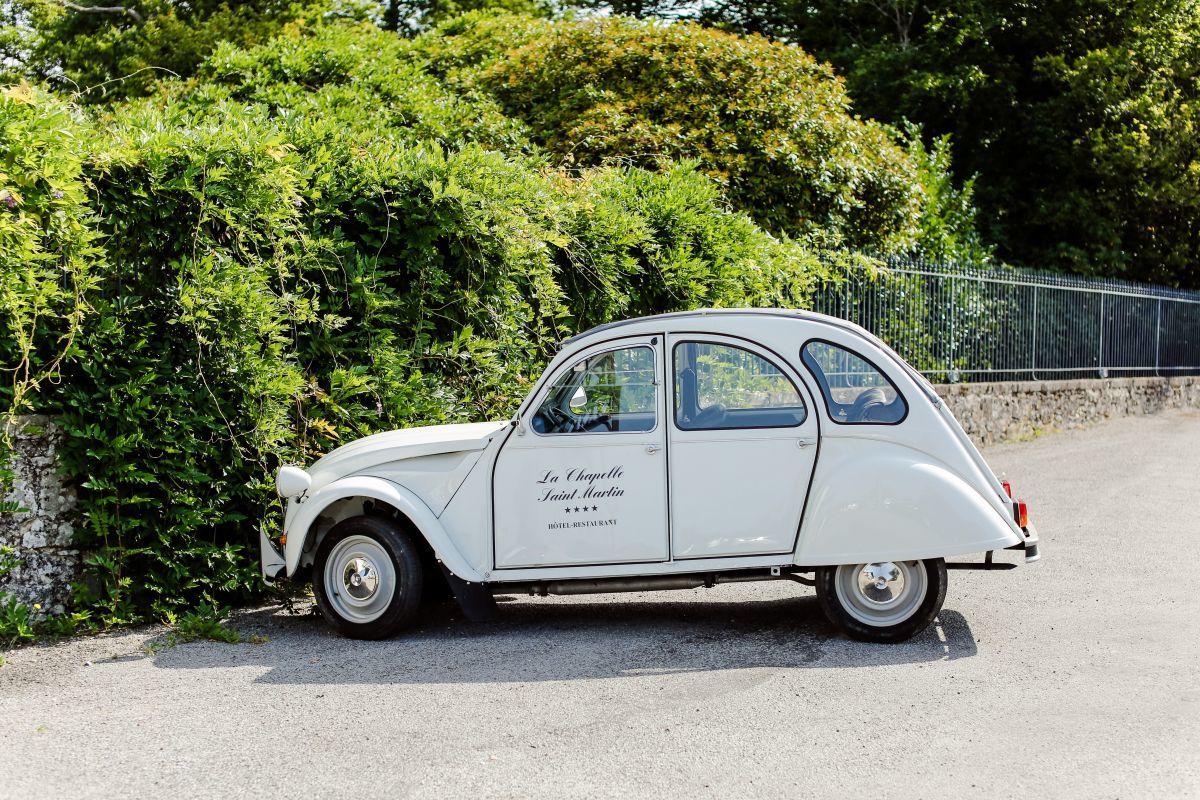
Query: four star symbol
{"x": 577, "y": 509}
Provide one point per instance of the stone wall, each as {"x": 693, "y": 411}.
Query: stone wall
{"x": 35, "y": 522}
{"x": 996, "y": 412}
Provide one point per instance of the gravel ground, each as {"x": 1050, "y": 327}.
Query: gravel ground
{"x": 1077, "y": 677}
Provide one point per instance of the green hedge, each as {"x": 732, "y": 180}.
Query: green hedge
{"x": 256, "y": 286}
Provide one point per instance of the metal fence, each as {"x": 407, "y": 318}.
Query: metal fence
{"x": 958, "y": 323}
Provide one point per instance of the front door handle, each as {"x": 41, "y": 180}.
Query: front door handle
{"x": 653, "y": 448}
{"x": 802, "y": 443}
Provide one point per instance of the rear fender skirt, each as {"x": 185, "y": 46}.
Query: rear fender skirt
{"x": 404, "y": 501}
{"x": 893, "y": 503}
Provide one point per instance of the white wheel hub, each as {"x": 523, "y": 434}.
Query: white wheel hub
{"x": 883, "y": 593}
{"x": 360, "y": 579}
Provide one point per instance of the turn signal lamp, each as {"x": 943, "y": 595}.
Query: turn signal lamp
{"x": 1022, "y": 514}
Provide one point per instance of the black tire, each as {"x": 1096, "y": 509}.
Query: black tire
{"x": 841, "y": 612}
{"x": 403, "y": 574}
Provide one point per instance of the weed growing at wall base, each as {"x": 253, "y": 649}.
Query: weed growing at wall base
{"x": 206, "y": 622}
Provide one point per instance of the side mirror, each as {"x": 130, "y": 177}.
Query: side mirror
{"x": 579, "y": 399}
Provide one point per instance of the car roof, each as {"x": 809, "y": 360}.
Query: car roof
{"x": 790, "y": 313}
{"x": 785, "y": 313}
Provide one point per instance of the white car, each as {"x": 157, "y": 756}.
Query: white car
{"x": 667, "y": 452}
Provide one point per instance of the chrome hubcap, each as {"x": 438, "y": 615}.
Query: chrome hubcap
{"x": 882, "y": 593}
{"x": 881, "y": 583}
{"x": 360, "y": 579}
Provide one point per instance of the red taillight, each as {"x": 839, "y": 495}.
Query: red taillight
{"x": 1007, "y": 488}
{"x": 1021, "y": 512}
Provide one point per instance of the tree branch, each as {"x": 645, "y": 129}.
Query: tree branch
{"x": 132, "y": 12}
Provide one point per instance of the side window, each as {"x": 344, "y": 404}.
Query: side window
{"x": 721, "y": 387}
{"x": 856, "y": 393}
{"x": 611, "y": 391}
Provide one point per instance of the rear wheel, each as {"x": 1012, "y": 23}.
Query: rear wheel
{"x": 367, "y": 578}
{"x": 887, "y": 601}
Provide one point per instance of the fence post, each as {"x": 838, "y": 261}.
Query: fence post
{"x": 1033, "y": 347}
{"x": 1157, "y": 337}
{"x": 1100, "y": 355}
{"x": 952, "y": 370}
{"x": 846, "y": 296}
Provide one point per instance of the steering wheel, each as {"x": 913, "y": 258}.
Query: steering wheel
{"x": 560, "y": 421}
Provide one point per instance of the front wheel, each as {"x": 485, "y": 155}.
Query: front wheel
{"x": 367, "y": 578}
{"x": 885, "y": 602}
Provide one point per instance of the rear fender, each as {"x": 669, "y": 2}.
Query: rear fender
{"x": 300, "y": 527}
{"x": 876, "y": 501}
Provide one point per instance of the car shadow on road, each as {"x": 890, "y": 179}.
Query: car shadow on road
{"x": 534, "y": 641}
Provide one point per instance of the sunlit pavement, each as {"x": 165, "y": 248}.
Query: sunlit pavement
{"x": 1075, "y": 677}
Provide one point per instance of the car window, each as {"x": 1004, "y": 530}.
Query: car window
{"x": 722, "y": 387}
{"x": 607, "y": 392}
{"x": 856, "y": 392}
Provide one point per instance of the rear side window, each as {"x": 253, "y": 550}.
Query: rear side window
{"x": 722, "y": 387}
{"x": 855, "y": 391}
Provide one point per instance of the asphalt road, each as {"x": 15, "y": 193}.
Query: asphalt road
{"x": 1077, "y": 677}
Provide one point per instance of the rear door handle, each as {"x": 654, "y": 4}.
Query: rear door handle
{"x": 653, "y": 448}
{"x": 805, "y": 442}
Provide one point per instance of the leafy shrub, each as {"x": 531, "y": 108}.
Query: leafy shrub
{"x": 947, "y": 228}
{"x": 356, "y": 79}
{"x": 764, "y": 119}
{"x": 118, "y": 54}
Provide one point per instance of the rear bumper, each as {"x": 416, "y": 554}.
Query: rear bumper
{"x": 1029, "y": 545}
{"x": 274, "y": 566}
{"x": 1033, "y": 553}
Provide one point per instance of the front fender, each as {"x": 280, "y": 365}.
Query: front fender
{"x": 385, "y": 491}
{"x": 879, "y": 501}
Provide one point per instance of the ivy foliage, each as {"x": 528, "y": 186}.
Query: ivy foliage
{"x": 49, "y": 255}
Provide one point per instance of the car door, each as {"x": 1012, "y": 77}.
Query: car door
{"x": 583, "y": 479}
{"x": 743, "y": 444}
